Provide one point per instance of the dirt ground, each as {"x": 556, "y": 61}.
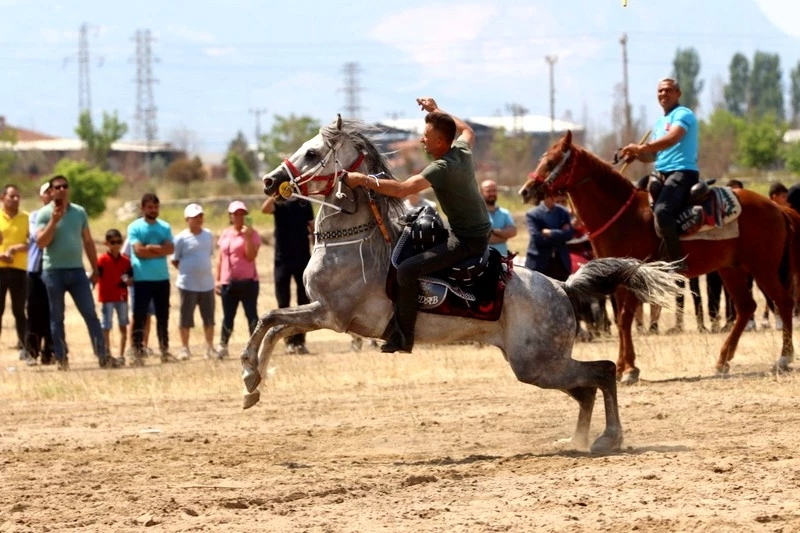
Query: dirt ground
{"x": 442, "y": 440}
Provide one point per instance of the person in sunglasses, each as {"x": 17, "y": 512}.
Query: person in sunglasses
{"x": 63, "y": 233}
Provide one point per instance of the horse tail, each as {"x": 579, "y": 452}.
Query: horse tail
{"x": 654, "y": 283}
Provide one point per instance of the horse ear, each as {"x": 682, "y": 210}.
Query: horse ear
{"x": 567, "y": 142}
{"x": 339, "y": 121}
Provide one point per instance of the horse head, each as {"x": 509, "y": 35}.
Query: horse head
{"x": 317, "y": 166}
{"x": 553, "y": 172}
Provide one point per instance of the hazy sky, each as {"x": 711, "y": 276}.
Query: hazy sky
{"x": 215, "y": 63}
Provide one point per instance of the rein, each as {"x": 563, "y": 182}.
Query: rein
{"x": 595, "y": 234}
{"x": 590, "y": 234}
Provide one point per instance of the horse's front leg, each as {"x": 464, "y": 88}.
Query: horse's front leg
{"x": 279, "y": 323}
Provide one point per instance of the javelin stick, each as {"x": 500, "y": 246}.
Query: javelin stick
{"x": 626, "y": 163}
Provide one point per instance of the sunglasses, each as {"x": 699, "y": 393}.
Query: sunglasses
{"x": 61, "y": 187}
{"x": 112, "y": 243}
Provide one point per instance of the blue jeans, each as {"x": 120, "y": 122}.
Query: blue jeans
{"x": 58, "y": 282}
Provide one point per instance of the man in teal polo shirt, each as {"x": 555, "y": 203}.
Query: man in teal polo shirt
{"x": 63, "y": 233}
{"x": 673, "y": 149}
{"x": 151, "y": 243}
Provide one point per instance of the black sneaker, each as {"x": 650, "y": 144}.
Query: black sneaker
{"x": 63, "y": 364}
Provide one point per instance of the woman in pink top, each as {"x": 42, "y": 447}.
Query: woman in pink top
{"x": 236, "y": 278}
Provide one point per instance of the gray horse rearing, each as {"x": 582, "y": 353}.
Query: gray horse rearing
{"x": 346, "y": 278}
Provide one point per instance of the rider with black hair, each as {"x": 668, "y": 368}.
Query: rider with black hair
{"x": 452, "y": 176}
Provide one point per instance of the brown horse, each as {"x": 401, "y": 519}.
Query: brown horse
{"x": 620, "y": 224}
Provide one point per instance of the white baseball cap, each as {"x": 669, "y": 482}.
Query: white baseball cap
{"x": 44, "y": 188}
{"x": 192, "y": 210}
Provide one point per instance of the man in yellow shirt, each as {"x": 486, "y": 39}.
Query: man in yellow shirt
{"x": 14, "y": 262}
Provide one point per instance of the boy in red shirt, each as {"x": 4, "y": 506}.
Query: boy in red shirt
{"x": 115, "y": 275}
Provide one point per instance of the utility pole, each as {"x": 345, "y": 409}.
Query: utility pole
{"x": 258, "y": 112}
{"x": 84, "y": 86}
{"x": 551, "y": 61}
{"x": 145, "y": 118}
{"x": 352, "y": 90}
{"x": 628, "y": 133}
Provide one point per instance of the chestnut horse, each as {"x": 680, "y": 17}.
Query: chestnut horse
{"x": 620, "y": 224}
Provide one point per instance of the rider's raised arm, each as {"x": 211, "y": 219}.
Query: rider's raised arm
{"x": 463, "y": 131}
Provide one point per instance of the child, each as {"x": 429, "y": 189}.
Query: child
{"x": 115, "y": 275}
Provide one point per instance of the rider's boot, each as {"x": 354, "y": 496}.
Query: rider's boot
{"x": 401, "y": 339}
{"x": 672, "y": 246}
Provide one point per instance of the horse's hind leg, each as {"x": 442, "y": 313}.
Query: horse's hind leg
{"x": 779, "y": 294}
{"x": 579, "y": 379}
{"x": 585, "y": 397}
{"x": 735, "y": 280}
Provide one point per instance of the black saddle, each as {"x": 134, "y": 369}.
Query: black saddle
{"x": 472, "y": 287}
{"x": 424, "y": 229}
{"x": 701, "y": 207}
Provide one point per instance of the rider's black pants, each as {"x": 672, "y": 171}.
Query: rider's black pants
{"x": 437, "y": 258}
{"x": 673, "y": 195}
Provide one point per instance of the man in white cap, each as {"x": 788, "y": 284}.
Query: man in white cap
{"x": 38, "y": 339}
{"x": 194, "y": 248}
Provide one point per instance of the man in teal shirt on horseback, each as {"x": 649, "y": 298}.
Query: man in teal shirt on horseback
{"x": 452, "y": 176}
{"x": 674, "y": 150}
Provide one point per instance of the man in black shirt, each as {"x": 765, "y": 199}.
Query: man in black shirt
{"x": 294, "y": 222}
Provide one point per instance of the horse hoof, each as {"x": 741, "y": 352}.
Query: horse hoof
{"x": 783, "y": 364}
{"x": 630, "y": 378}
{"x": 606, "y": 443}
{"x": 722, "y": 371}
{"x": 251, "y": 379}
{"x": 251, "y": 398}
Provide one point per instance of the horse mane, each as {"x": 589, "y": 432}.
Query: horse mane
{"x": 614, "y": 182}
{"x": 358, "y": 132}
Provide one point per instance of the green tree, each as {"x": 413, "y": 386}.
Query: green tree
{"x": 513, "y": 155}
{"x": 766, "y": 87}
{"x": 795, "y": 95}
{"x": 241, "y": 148}
{"x": 759, "y": 144}
{"x": 98, "y": 141}
{"x": 685, "y": 69}
{"x": 8, "y": 157}
{"x": 238, "y": 169}
{"x": 186, "y": 171}
{"x": 89, "y": 186}
{"x": 791, "y": 153}
{"x": 719, "y": 136}
{"x": 736, "y": 92}
{"x": 286, "y": 136}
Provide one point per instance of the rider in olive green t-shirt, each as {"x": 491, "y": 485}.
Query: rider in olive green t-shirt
{"x": 452, "y": 177}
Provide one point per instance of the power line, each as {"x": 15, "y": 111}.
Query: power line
{"x": 145, "y": 118}
{"x": 352, "y": 90}
{"x": 84, "y": 88}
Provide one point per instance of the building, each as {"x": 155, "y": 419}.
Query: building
{"x": 38, "y": 153}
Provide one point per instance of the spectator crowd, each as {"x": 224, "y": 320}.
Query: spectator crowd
{"x": 43, "y": 256}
